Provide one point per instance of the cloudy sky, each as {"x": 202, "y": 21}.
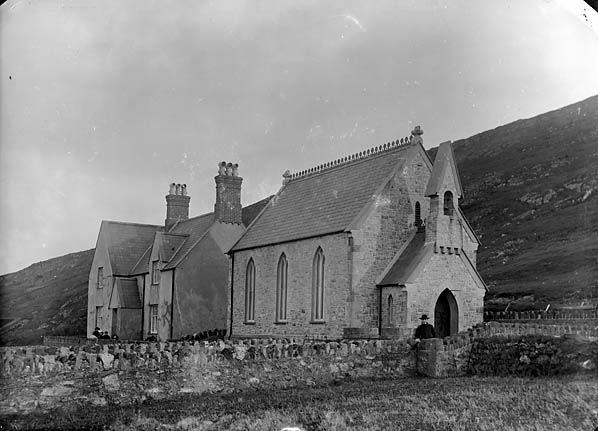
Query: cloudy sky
{"x": 104, "y": 103}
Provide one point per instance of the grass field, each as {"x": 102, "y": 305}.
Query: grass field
{"x": 473, "y": 403}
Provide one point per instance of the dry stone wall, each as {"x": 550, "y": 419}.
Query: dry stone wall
{"x": 120, "y": 373}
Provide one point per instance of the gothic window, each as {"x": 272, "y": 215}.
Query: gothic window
{"x": 390, "y": 305}
{"x": 155, "y": 272}
{"x": 250, "y": 292}
{"x": 153, "y": 319}
{"x": 448, "y": 203}
{"x": 100, "y": 278}
{"x": 418, "y": 214}
{"x": 281, "y": 289}
{"x": 317, "y": 304}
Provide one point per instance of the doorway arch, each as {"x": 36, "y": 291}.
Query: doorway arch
{"x": 446, "y": 315}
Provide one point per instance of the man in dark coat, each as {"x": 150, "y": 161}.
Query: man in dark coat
{"x": 97, "y": 333}
{"x": 425, "y": 330}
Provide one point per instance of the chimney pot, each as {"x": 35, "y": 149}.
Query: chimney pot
{"x": 222, "y": 168}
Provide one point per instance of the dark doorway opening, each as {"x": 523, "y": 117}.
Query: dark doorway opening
{"x": 446, "y": 315}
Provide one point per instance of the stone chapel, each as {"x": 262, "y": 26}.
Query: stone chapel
{"x": 360, "y": 247}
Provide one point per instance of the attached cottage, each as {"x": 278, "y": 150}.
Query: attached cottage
{"x": 172, "y": 280}
{"x": 360, "y": 247}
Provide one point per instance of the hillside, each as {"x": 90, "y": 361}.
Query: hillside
{"x": 531, "y": 194}
{"x": 46, "y": 298}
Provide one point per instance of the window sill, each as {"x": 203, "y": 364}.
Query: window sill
{"x": 249, "y": 322}
{"x": 281, "y": 322}
{"x": 318, "y": 322}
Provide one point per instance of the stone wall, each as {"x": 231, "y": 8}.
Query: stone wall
{"x": 532, "y": 356}
{"x": 130, "y": 372}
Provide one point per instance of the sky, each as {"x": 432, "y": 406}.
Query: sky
{"x": 104, "y": 103}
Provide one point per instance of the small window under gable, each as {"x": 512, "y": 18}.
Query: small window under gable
{"x": 448, "y": 203}
{"x": 100, "y": 278}
{"x": 155, "y": 272}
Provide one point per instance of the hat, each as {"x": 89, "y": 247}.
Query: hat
{"x": 424, "y": 317}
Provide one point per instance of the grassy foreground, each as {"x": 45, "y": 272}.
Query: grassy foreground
{"x": 473, "y": 403}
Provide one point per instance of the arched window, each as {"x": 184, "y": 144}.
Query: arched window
{"x": 281, "y": 289}
{"x": 317, "y": 303}
{"x": 390, "y": 306}
{"x": 448, "y": 203}
{"x": 418, "y": 215}
{"x": 250, "y": 292}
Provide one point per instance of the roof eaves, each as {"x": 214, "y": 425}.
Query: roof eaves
{"x": 288, "y": 240}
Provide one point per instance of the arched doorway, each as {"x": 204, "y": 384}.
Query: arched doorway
{"x": 446, "y": 315}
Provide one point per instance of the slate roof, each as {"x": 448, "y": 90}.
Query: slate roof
{"x": 128, "y": 293}
{"x": 126, "y": 243}
{"x": 170, "y": 243}
{"x": 407, "y": 261}
{"x": 323, "y": 202}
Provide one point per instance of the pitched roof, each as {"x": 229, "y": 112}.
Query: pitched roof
{"x": 142, "y": 265}
{"x": 126, "y": 243}
{"x": 322, "y": 202}
{"x": 195, "y": 228}
{"x": 250, "y": 212}
{"x": 128, "y": 293}
{"x": 405, "y": 264}
{"x": 169, "y": 244}
{"x": 445, "y": 159}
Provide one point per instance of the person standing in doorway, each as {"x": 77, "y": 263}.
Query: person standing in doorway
{"x": 424, "y": 330}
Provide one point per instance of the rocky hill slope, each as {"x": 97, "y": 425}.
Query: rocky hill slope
{"x": 530, "y": 193}
{"x": 46, "y": 298}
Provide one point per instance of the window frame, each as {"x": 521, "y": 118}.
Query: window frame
{"x": 155, "y": 272}
{"x": 249, "y": 317}
{"x": 100, "y": 278}
{"x": 99, "y": 317}
{"x": 448, "y": 204}
{"x": 153, "y": 317}
{"x": 281, "y": 289}
{"x": 318, "y": 278}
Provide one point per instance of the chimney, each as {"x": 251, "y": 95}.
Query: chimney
{"x": 227, "y": 208}
{"x": 177, "y": 204}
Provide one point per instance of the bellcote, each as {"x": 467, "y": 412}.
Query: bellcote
{"x": 445, "y": 175}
